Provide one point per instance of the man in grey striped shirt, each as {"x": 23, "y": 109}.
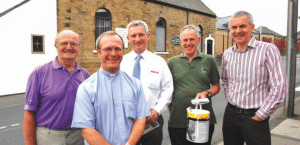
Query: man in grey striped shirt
{"x": 254, "y": 84}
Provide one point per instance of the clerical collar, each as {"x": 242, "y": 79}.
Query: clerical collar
{"x": 112, "y": 75}
{"x": 104, "y": 72}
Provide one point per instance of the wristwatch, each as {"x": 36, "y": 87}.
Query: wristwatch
{"x": 208, "y": 94}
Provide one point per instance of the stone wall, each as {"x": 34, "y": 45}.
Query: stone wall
{"x": 207, "y": 24}
{"x": 223, "y": 41}
{"x": 79, "y": 15}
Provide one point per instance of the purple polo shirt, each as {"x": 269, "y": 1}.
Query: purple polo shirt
{"x": 51, "y": 92}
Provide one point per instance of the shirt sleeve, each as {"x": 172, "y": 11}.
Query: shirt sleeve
{"x": 277, "y": 83}
{"x": 83, "y": 116}
{"x": 166, "y": 87}
{"x": 87, "y": 74}
{"x": 142, "y": 108}
{"x": 32, "y": 92}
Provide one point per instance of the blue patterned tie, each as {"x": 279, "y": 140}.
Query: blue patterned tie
{"x": 137, "y": 67}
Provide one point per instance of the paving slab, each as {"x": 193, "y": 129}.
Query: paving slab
{"x": 288, "y": 128}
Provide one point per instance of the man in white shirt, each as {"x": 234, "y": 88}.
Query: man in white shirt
{"x": 154, "y": 75}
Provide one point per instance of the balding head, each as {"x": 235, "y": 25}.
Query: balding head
{"x": 66, "y": 32}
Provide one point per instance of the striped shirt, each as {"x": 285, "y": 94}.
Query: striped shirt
{"x": 254, "y": 77}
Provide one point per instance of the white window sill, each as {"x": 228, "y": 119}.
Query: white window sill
{"x": 163, "y": 53}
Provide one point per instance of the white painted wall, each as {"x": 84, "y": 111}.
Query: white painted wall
{"x": 16, "y": 27}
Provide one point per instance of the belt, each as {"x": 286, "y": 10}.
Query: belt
{"x": 249, "y": 112}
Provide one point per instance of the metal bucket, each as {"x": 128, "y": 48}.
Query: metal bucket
{"x": 198, "y": 125}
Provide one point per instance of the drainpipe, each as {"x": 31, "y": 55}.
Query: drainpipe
{"x": 260, "y": 33}
{"x": 187, "y": 13}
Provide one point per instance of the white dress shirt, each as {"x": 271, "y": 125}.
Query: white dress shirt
{"x": 155, "y": 76}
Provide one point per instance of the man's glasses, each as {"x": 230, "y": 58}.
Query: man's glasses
{"x": 72, "y": 44}
{"x": 110, "y": 49}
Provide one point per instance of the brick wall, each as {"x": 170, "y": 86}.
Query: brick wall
{"x": 79, "y": 16}
{"x": 207, "y": 24}
{"x": 223, "y": 41}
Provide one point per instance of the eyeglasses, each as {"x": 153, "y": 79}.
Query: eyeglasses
{"x": 110, "y": 49}
{"x": 72, "y": 44}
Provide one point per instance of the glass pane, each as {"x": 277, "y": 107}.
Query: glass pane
{"x": 102, "y": 22}
{"x": 102, "y": 13}
{"x": 160, "y": 39}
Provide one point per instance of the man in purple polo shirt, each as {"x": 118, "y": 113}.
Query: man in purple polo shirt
{"x": 51, "y": 93}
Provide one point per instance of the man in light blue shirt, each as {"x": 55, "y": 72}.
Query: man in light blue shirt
{"x": 110, "y": 106}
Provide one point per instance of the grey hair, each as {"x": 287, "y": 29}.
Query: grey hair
{"x": 66, "y": 31}
{"x": 138, "y": 22}
{"x": 242, "y": 13}
{"x": 189, "y": 27}
{"x": 113, "y": 33}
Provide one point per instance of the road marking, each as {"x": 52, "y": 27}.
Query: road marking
{"x": 297, "y": 89}
{"x": 15, "y": 124}
{"x": 3, "y": 127}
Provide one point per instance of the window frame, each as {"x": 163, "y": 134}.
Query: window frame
{"x": 162, "y": 51}
{"x": 33, "y": 43}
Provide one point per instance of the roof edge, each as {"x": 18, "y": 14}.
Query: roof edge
{"x": 178, "y": 7}
{"x": 14, "y": 7}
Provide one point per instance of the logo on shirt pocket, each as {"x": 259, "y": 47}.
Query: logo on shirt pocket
{"x": 203, "y": 70}
{"x": 155, "y": 72}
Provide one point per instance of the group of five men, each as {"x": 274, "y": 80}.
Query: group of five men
{"x": 113, "y": 105}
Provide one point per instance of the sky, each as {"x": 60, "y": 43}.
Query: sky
{"x": 268, "y": 13}
{"x": 8, "y": 4}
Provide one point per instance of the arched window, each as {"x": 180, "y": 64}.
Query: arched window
{"x": 102, "y": 22}
{"x": 160, "y": 35}
{"x": 199, "y": 29}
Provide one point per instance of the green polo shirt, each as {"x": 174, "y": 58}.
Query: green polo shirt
{"x": 190, "y": 78}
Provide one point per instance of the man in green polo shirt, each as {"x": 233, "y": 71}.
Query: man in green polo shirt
{"x": 193, "y": 75}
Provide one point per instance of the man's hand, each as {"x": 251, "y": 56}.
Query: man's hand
{"x": 93, "y": 137}
{"x": 255, "y": 117}
{"x": 212, "y": 92}
{"x": 201, "y": 95}
{"x": 169, "y": 107}
{"x": 153, "y": 117}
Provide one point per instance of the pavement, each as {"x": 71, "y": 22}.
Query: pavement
{"x": 288, "y": 131}
{"x": 285, "y": 130}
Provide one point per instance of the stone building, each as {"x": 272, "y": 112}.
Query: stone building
{"x": 165, "y": 18}
{"x": 268, "y": 35}
{"x": 225, "y": 41}
{"x": 37, "y": 23}
{"x": 222, "y": 35}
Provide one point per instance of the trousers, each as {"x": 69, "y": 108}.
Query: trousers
{"x": 155, "y": 136}
{"x": 178, "y": 136}
{"x": 47, "y": 136}
{"x": 239, "y": 127}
